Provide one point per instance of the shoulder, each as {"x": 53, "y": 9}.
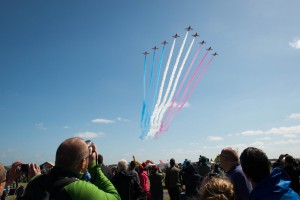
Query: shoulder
{"x": 82, "y": 189}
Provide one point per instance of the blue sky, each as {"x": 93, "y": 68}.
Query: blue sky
{"x": 75, "y": 68}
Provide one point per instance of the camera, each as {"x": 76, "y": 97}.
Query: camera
{"x": 23, "y": 168}
{"x": 89, "y": 143}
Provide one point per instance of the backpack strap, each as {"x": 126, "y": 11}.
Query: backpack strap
{"x": 56, "y": 189}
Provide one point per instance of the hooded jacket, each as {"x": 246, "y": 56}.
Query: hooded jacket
{"x": 275, "y": 186}
{"x": 127, "y": 186}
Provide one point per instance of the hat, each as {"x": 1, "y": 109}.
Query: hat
{"x": 2, "y": 173}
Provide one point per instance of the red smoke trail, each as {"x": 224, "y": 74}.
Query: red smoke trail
{"x": 165, "y": 123}
{"x": 183, "y": 81}
{"x": 197, "y": 81}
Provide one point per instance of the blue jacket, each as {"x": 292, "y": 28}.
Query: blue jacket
{"x": 275, "y": 186}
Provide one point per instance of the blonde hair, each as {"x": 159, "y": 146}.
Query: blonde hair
{"x": 217, "y": 188}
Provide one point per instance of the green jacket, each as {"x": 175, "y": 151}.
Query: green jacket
{"x": 99, "y": 187}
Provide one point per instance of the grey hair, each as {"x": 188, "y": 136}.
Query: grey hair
{"x": 122, "y": 165}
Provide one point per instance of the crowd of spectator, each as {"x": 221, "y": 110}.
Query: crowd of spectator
{"x": 80, "y": 173}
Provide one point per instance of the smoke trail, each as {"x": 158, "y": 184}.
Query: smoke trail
{"x": 156, "y": 88}
{"x": 146, "y": 125}
{"x": 144, "y": 90}
{"x": 155, "y": 127}
{"x": 169, "y": 112}
{"x": 162, "y": 83}
{"x": 197, "y": 81}
{"x": 158, "y": 75}
{"x": 165, "y": 126}
{"x": 176, "y": 82}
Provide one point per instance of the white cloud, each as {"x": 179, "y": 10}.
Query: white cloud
{"x": 274, "y": 131}
{"x": 194, "y": 144}
{"x": 122, "y": 119}
{"x": 295, "y": 43}
{"x": 256, "y": 144}
{"x": 294, "y": 116}
{"x": 290, "y": 135}
{"x": 251, "y": 132}
{"x": 214, "y": 138}
{"x": 281, "y": 142}
{"x": 263, "y": 139}
{"x": 89, "y": 134}
{"x": 40, "y": 126}
{"x": 102, "y": 121}
{"x": 66, "y": 127}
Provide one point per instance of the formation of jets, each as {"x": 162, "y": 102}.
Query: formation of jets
{"x": 177, "y": 36}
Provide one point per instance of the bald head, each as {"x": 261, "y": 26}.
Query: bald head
{"x": 70, "y": 153}
{"x": 2, "y": 178}
{"x": 230, "y": 154}
{"x": 2, "y": 173}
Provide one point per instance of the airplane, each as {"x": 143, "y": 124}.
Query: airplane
{"x": 189, "y": 28}
{"x": 145, "y": 53}
{"x": 165, "y": 42}
{"x": 176, "y": 36}
{"x": 154, "y": 48}
{"x": 203, "y": 42}
{"x": 196, "y": 35}
{"x": 215, "y": 54}
{"x": 209, "y": 49}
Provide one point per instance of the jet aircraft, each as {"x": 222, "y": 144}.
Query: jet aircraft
{"x": 189, "y": 28}
{"x": 203, "y": 42}
{"x": 196, "y": 35}
{"x": 175, "y": 36}
{"x": 154, "y": 48}
{"x": 145, "y": 53}
{"x": 215, "y": 54}
{"x": 164, "y": 42}
{"x": 209, "y": 49}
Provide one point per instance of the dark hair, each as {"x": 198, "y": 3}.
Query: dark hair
{"x": 255, "y": 164}
{"x": 172, "y": 162}
{"x": 289, "y": 159}
{"x": 132, "y": 165}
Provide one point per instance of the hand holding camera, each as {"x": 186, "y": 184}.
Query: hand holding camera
{"x": 92, "y": 151}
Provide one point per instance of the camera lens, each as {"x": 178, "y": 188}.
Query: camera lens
{"x": 89, "y": 143}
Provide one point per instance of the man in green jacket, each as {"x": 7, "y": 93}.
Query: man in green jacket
{"x": 74, "y": 158}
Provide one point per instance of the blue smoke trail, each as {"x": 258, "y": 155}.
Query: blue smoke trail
{"x": 158, "y": 75}
{"x": 146, "y": 119}
{"x": 156, "y": 88}
{"x": 144, "y": 88}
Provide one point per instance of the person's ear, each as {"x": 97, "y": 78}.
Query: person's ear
{"x": 83, "y": 164}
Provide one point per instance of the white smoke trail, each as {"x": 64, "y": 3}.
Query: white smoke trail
{"x": 154, "y": 129}
{"x": 175, "y": 84}
{"x": 162, "y": 84}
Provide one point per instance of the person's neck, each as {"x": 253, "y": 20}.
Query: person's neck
{"x": 230, "y": 166}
